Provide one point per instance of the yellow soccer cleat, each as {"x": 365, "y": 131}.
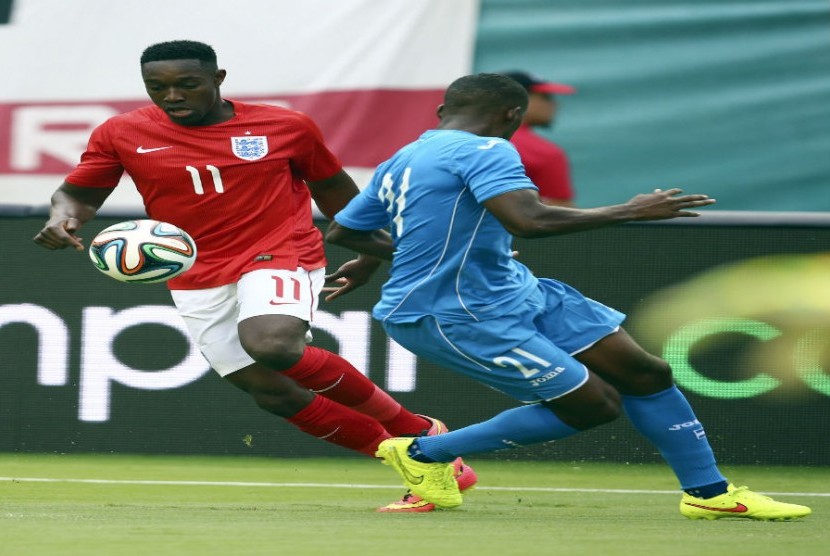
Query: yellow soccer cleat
{"x": 740, "y": 502}
{"x": 433, "y": 482}
{"x": 464, "y": 475}
{"x": 411, "y": 503}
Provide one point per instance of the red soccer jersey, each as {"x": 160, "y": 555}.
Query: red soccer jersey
{"x": 546, "y": 164}
{"x": 236, "y": 187}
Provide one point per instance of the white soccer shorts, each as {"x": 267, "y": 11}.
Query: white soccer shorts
{"x": 212, "y": 314}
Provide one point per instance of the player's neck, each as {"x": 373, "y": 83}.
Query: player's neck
{"x": 222, "y": 112}
{"x": 476, "y": 127}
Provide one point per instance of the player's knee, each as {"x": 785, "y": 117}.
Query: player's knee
{"x": 275, "y": 352}
{"x": 655, "y": 377}
{"x": 662, "y": 374}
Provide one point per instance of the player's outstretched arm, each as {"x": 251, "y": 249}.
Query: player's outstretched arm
{"x": 72, "y": 206}
{"x": 331, "y": 195}
{"x": 523, "y": 215}
{"x": 375, "y": 243}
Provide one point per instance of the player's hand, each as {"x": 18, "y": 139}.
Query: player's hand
{"x": 59, "y": 233}
{"x": 350, "y": 276}
{"x": 661, "y": 205}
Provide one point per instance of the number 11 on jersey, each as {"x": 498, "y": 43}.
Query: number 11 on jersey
{"x": 197, "y": 179}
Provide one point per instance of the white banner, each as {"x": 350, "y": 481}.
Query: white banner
{"x": 369, "y": 72}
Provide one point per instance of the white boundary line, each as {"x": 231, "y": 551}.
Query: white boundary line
{"x": 356, "y": 486}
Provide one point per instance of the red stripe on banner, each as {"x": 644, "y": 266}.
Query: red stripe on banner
{"x": 363, "y": 127}
{"x": 366, "y": 127}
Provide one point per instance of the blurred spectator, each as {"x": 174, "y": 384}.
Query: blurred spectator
{"x": 545, "y": 162}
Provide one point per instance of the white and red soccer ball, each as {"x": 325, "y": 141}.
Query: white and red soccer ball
{"x": 143, "y": 251}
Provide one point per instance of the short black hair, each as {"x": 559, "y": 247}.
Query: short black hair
{"x": 488, "y": 91}
{"x": 180, "y": 50}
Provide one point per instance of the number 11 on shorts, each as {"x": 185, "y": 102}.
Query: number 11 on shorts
{"x": 281, "y": 289}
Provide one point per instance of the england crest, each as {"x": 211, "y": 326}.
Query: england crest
{"x": 249, "y": 148}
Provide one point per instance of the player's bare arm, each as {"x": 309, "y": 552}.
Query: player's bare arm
{"x": 72, "y": 206}
{"x": 373, "y": 246}
{"x": 351, "y": 274}
{"x": 331, "y": 195}
{"x": 523, "y": 215}
{"x": 377, "y": 243}
{"x": 334, "y": 193}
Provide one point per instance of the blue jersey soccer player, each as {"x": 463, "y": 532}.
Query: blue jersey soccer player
{"x": 452, "y": 201}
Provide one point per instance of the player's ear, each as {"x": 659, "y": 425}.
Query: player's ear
{"x": 513, "y": 114}
{"x": 440, "y": 110}
{"x": 219, "y": 77}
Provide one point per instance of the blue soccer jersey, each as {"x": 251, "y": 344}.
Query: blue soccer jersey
{"x": 453, "y": 259}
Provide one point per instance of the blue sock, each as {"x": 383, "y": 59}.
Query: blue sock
{"x": 515, "y": 427}
{"x": 707, "y": 491}
{"x": 669, "y": 422}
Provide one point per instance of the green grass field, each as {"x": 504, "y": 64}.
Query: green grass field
{"x": 234, "y": 506}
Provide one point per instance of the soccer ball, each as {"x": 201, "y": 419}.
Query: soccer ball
{"x": 143, "y": 251}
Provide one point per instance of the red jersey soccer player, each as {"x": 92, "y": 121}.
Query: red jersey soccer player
{"x": 239, "y": 178}
{"x": 546, "y": 163}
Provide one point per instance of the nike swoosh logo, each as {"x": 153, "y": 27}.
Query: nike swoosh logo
{"x": 142, "y": 150}
{"x": 490, "y": 144}
{"x": 738, "y": 509}
{"x": 415, "y": 480}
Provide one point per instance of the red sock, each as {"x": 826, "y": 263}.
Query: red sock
{"x": 335, "y": 423}
{"x": 330, "y": 375}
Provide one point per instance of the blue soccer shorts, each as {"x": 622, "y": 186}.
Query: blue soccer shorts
{"x": 527, "y": 354}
